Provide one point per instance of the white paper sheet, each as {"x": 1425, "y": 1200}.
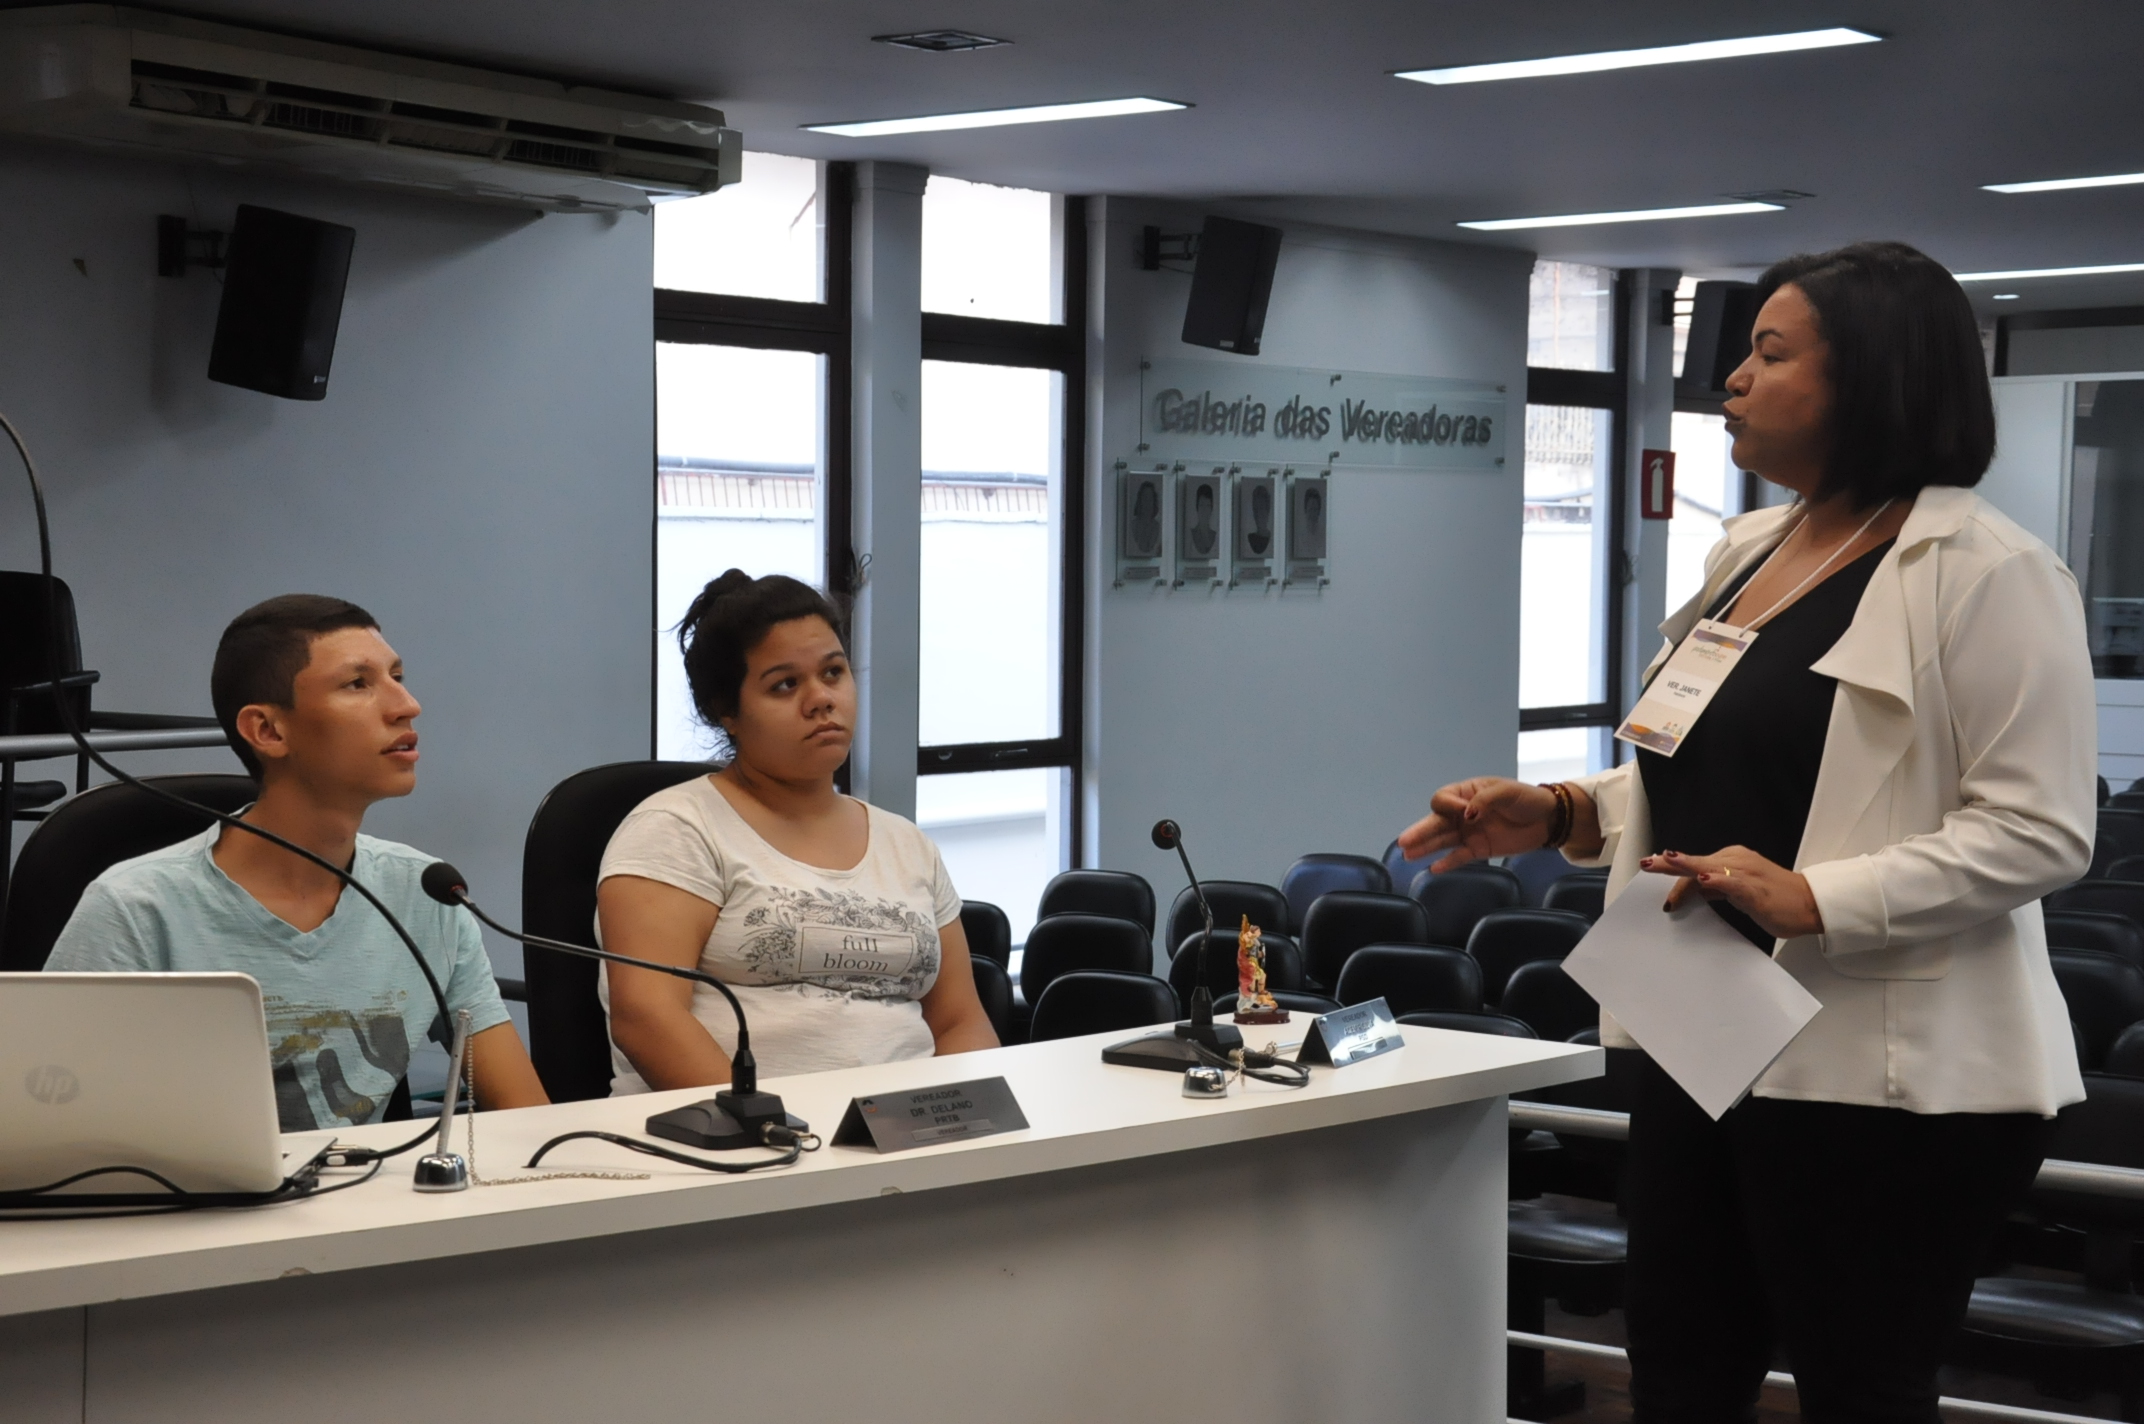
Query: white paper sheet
{"x": 1711, "y": 1008}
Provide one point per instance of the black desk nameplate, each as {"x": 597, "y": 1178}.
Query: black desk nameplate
{"x": 1350, "y": 1035}
{"x": 954, "y": 1112}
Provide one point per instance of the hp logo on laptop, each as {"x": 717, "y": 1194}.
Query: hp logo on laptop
{"x": 52, "y": 1085}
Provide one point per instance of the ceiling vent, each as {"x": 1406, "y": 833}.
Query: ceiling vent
{"x": 152, "y": 83}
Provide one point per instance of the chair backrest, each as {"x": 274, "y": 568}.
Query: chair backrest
{"x": 2096, "y": 929}
{"x": 1072, "y": 941}
{"x": 1398, "y": 868}
{"x": 1284, "y": 964}
{"x": 1100, "y": 1001}
{"x": 1343, "y": 921}
{"x": 2121, "y": 834}
{"x": 1321, "y": 873}
{"x": 2124, "y": 867}
{"x": 1411, "y": 979}
{"x": 569, "y": 1038}
{"x": 2106, "y": 1128}
{"x": 1502, "y": 1025}
{"x": 1549, "y": 1001}
{"x": 2124, "y": 800}
{"x": 89, "y": 835}
{"x": 989, "y": 931}
{"x": 2106, "y": 897}
{"x": 1456, "y": 900}
{"x": 994, "y": 987}
{"x": 1295, "y": 1001}
{"x": 26, "y": 652}
{"x": 1538, "y": 872}
{"x": 1231, "y": 901}
{"x": 2105, "y": 994}
{"x": 1584, "y": 892}
{"x": 2126, "y": 1058}
{"x": 2104, "y": 797}
{"x": 1509, "y": 938}
{"x": 1117, "y": 893}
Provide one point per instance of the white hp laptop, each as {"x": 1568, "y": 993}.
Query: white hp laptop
{"x": 164, "y": 1071}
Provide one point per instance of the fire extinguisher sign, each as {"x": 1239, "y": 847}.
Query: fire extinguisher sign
{"x": 1656, "y": 484}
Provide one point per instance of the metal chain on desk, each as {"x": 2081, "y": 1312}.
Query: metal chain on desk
{"x": 478, "y": 1179}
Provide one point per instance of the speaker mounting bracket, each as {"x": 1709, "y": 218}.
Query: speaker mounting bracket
{"x": 1155, "y": 245}
{"x": 180, "y": 248}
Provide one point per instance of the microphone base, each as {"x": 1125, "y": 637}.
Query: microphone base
{"x": 441, "y": 1172}
{"x": 1175, "y": 1050}
{"x": 725, "y": 1122}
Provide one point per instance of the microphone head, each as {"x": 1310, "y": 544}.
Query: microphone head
{"x": 444, "y": 883}
{"x": 1167, "y": 834}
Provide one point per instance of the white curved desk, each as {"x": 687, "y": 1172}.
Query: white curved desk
{"x": 1334, "y": 1253}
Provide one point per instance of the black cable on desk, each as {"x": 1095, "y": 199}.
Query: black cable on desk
{"x": 776, "y": 1135}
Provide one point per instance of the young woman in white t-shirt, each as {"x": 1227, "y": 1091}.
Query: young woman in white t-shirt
{"x": 833, "y": 921}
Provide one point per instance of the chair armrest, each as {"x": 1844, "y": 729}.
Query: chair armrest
{"x": 44, "y": 684}
{"x": 516, "y": 990}
{"x": 145, "y": 722}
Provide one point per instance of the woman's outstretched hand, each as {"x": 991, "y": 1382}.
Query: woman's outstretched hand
{"x": 1480, "y": 818}
{"x": 1778, "y": 899}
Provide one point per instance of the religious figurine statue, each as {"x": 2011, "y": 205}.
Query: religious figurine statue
{"x": 1254, "y": 1004}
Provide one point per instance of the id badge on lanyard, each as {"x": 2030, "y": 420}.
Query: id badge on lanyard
{"x": 1682, "y": 691}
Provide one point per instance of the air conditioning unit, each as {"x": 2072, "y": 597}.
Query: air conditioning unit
{"x": 152, "y": 83}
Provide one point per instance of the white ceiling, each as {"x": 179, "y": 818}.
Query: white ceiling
{"x": 1296, "y": 116}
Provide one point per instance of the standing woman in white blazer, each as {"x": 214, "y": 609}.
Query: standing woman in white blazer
{"x": 1877, "y": 795}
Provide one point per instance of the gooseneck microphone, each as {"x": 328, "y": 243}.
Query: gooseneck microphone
{"x": 1170, "y": 836}
{"x": 1198, "y": 1040}
{"x": 738, "y": 1116}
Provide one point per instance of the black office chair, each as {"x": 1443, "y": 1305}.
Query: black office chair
{"x": 1100, "y": 1001}
{"x": 1583, "y": 892}
{"x": 1284, "y": 964}
{"x": 2123, "y": 800}
{"x": 1550, "y": 1000}
{"x": 1295, "y": 1001}
{"x": 2073, "y": 1339}
{"x": 2096, "y": 930}
{"x": 2126, "y": 1058}
{"x": 989, "y": 932}
{"x": 2107, "y": 897}
{"x": 1398, "y": 868}
{"x": 1411, "y": 979}
{"x": 2128, "y": 867}
{"x": 2105, "y": 994}
{"x": 1509, "y": 938}
{"x": 1538, "y": 872}
{"x": 2102, "y": 782}
{"x": 1499, "y": 1025}
{"x": 1232, "y": 900}
{"x": 1073, "y": 941}
{"x": 89, "y": 835}
{"x": 1323, "y": 872}
{"x": 1342, "y": 921}
{"x": 994, "y": 987}
{"x": 2121, "y": 835}
{"x": 1117, "y": 893}
{"x": 569, "y": 1036}
{"x": 1456, "y": 900}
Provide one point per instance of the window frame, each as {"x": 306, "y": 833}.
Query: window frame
{"x": 1610, "y": 391}
{"x": 1060, "y": 347}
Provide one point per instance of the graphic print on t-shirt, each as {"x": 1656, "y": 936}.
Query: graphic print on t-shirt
{"x": 333, "y": 1067}
{"x": 840, "y": 941}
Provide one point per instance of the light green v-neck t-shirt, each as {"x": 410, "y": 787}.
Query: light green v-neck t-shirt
{"x": 344, "y": 1003}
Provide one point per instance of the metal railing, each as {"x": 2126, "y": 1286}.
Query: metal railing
{"x": 2089, "y": 1177}
{"x": 40, "y": 746}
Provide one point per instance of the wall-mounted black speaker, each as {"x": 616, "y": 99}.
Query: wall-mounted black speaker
{"x": 1720, "y": 318}
{"x": 1230, "y": 285}
{"x": 282, "y": 303}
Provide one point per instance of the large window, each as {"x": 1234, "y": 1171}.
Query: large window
{"x": 999, "y": 635}
{"x": 1568, "y": 592}
{"x": 1708, "y": 488}
{"x": 751, "y": 389}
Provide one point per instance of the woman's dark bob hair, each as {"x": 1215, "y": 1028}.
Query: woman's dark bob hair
{"x": 1909, "y": 382}
{"x": 729, "y": 618}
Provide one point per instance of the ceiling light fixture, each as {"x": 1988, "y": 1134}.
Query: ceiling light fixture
{"x": 1707, "y": 210}
{"x": 1639, "y": 58}
{"x": 940, "y": 41}
{"x": 2027, "y": 274}
{"x": 2006, "y": 296}
{"x": 995, "y": 118}
{"x": 2056, "y": 185}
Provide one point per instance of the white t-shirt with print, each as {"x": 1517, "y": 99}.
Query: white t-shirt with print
{"x": 830, "y": 965}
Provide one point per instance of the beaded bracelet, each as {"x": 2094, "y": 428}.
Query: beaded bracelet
{"x": 1560, "y": 829}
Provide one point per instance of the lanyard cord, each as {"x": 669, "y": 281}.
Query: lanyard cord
{"x": 1814, "y": 574}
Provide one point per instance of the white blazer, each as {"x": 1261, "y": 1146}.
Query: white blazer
{"x": 1955, "y": 790}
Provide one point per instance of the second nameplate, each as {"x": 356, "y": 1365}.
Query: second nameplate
{"x": 1351, "y": 1035}
{"x": 928, "y": 1117}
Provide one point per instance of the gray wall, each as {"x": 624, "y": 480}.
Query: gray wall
{"x": 1276, "y": 723}
{"x": 478, "y": 475}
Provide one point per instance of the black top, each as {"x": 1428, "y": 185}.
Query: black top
{"x": 1746, "y": 773}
